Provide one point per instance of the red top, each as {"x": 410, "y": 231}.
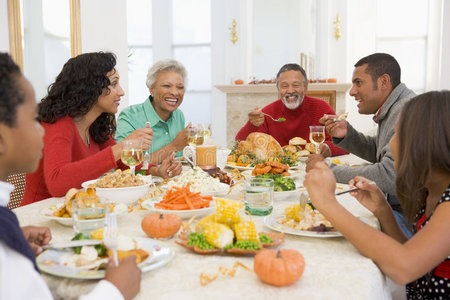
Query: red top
{"x": 67, "y": 162}
{"x": 297, "y": 122}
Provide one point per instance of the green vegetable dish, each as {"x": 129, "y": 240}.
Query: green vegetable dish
{"x": 101, "y": 250}
{"x": 280, "y": 183}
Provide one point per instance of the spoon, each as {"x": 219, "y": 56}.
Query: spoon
{"x": 276, "y": 120}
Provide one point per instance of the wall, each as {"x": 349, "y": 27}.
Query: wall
{"x": 4, "y": 33}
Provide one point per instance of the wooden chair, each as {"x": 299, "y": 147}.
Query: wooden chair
{"x": 18, "y": 180}
{"x": 327, "y": 96}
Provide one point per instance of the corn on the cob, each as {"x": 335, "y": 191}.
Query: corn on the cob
{"x": 97, "y": 234}
{"x": 292, "y": 212}
{"x": 200, "y": 227}
{"x": 218, "y": 235}
{"x": 228, "y": 211}
{"x": 246, "y": 231}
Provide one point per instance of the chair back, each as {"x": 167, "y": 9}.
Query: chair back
{"x": 18, "y": 180}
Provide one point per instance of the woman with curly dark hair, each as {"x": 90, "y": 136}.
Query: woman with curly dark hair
{"x": 78, "y": 118}
{"x": 420, "y": 148}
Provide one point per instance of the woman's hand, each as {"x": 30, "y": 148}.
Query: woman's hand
{"x": 37, "y": 237}
{"x": 145, "y": 135}
{"x": 126, "y": 277}
{"x": 169, "y": 167}
{"x": 368, "y": 195}
{"x": 321, "y": 185}
{"x": 181, "y": 140}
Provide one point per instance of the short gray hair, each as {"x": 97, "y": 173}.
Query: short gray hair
{"x": 165, "y": 65}
{"x": 293, "y": 67}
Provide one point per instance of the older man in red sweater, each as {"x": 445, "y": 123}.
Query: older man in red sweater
{"x": 300, "y": 112}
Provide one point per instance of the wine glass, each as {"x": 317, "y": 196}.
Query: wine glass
{"x": 195, "y": 136}
{"x": 317, "y": 136}
{"x": 132, "y": 154}
{"x": 206, "y": 130}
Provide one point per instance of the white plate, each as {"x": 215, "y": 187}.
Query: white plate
{"x": 271, "y": 222}
{"x": 295, "y": 174}
{"x": 47, "y": 212}
{"x": 302, "y": 158}
{"x": 239, "y": 167}
{"x": 287, "y": 195}
{"x": 184, "y": 214}
{"x": 251, "y": 168}
{"x": 222, "y": 191}
{"x": 49, "y": 261}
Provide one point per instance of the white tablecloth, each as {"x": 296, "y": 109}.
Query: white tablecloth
{"x": 334, "y": 268}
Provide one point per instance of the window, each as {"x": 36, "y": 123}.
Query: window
{"x": 190, "y": 22}
{"x": 140, "y": 55}
{"x": 404, "y": 35}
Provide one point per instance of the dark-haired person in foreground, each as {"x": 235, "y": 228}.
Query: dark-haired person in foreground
{"x": 423, "y": 189}
{"x": 299, "y": 110}
{"x": 378, "y": 90}
{"x": 21, "y": 144}
{"x": 78, "y": 116}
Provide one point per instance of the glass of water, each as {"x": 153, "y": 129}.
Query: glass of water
{"x": 88, "y": 214}
{"x": 258, "y": 196}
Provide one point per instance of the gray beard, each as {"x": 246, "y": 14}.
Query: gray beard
{"x": 294, "y": 105}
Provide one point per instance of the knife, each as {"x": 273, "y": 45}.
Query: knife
{"x": 71, "y": 244}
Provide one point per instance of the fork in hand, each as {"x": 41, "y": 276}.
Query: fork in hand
{"x": 110, "y": 236}
{"x": 276, "y": 120}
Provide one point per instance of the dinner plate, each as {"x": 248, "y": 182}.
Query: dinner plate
{"x": 302, "y": 158}
{"x": 251, "y": 168}
{"x": 184, "y": 214}
{"x": 287, "y": 195}
{"x": 271, "y": 222}
{"x": 221, "y": 191}
{"x": 295, "y": 174}
{"x": 50, "y": 260}
{"x": 47, "y": 212}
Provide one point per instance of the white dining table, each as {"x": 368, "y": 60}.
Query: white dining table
{"x": 334, "y": 268}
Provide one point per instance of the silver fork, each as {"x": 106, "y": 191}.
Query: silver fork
{"x": 110, "y": 236}
{"x": 146, "y": 159}
{"x": 276, "y": 120}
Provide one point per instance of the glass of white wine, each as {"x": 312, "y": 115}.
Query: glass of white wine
{"x": 132, "y": 154}
{"x": 195, "y": 136}
{"x": 206, "y": 131}
{"x": 317, "y": 136}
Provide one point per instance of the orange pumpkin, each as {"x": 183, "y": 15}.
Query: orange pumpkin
{"x": 161, "y": 225}
{"x": 279, "y": 268}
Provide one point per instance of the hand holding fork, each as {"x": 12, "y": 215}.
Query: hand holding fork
{"x": 110, "y": 233}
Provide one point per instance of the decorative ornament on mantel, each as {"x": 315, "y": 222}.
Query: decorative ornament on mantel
{"x": 337, "y": 28}
{"x": 234, "y": 36}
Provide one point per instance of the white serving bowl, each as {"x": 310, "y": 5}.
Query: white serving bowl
{"x": 125, "y": 195}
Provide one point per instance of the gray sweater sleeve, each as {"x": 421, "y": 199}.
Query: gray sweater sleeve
{"x": 359, "y": 144}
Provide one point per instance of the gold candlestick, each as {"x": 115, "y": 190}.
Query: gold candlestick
{"x": 234, "y": 36}
{"x": 337, "y": 28}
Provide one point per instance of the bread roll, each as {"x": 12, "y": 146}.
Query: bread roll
{"x": 297, "y": 141}
{"x": 303, "y": 153}
{"x": 310, "y": 147}
{"x": 343, "y": 116}
{"x": 290, "y": 148}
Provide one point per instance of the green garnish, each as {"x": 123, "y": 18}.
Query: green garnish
{"x": 281, "y": 119}
{"x": 199, "y": 240}
{"x": 244, "y": 245}
{"x": 265, "y": 239}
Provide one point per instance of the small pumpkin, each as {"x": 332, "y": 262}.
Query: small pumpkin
{"x": 161, "y": 225}
{"x": 279, "y": 268}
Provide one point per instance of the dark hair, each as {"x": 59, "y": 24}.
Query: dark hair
{"x": 11, "y": 95}
{"x": 423, "y": 145}
{"x": 379, "y": 64}
{"x": 292, "y": 67}
{"x": 76, "y": 90}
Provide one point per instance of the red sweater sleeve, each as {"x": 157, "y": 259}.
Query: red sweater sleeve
{"x": 68, "y": 162}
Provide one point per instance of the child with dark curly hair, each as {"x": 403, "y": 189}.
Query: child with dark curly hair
{"x": 421, "y": 150}
{"x": 21, "y": 147}
{"x": 78, "y": 116}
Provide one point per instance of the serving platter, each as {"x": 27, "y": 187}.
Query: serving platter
{"x": 50, "y": 261}
{"x": 184, "y": 214}
{"x": 47, "y": 212}
{"x": 222, "y": 191}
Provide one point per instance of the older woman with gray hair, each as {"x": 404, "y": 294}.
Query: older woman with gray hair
{"x": 166, "y": 81}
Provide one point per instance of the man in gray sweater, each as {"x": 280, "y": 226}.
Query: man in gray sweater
{"x": 378, "y": 90}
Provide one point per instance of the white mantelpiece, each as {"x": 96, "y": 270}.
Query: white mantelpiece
{"x": 243, "y": 98}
